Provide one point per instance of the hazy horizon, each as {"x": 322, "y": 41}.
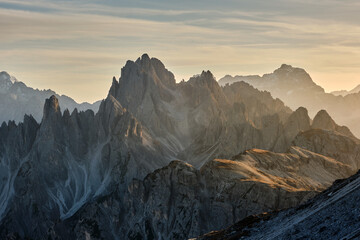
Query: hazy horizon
{"x": 107, "y": 87}
{"x": 72, "y": 46}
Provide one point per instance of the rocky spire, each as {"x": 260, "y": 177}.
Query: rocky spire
{"x": 5, "y": 82}
{"x": 51, "y": 107}
{"x": 204, "y": 88}
{"x": 297, "y": 122}
{"x": 322, "y": 120}
{"x": 4, "y": 76}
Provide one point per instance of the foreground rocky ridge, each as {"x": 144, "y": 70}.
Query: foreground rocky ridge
{"x": 333, "y": 214}
{"x": 112, "y": 174}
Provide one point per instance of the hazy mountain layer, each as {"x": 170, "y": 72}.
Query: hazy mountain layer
{"x": 17, "y": 100}
{"x": 344, "y": 92}
{"x": 295, "y": 87}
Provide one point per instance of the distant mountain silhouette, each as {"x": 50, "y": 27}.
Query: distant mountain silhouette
{"x": 295, "y": 88}
{"x": 344, "y": 92}
{"x": 17, "y": 99}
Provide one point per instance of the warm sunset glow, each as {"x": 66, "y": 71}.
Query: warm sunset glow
{"x": 75, "y": 47}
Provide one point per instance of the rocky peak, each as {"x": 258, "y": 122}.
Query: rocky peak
{"x": 297, "y": 122}
{"x": 6, "y": 82}
{"x": 4, "y": 77}
{"x": 147, "y": 69}
{"x": 301, "y": 116}
{"x": 114, "y": 87}
{"x": 204, "y": 88}
{"x": 292, "y": 75}
{"x": 205, "y": 78}
{"x": 51, "y": 107}
{"x": 286, "y": 67}
{"x": 142, "y": 80}
{"x": 323, "y": 120}
{"x": 163, "y": 74}
{"x": 143, "y": 60}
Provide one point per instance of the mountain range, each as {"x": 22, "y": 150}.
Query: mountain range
{"x": 17, "y": 99}
{"x": 295, "y": 88}
{"x": 164, "y": 160}
{"x": 345, "y": 92}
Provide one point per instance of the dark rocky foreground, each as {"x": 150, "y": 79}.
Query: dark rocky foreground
{"x": 333, "y": 214}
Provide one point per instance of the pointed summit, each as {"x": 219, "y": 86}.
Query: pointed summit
{"x": 298, "y": 121}
{"x": 322, "y": 120}
{"x": 114, "y": 87}
{"x": 6, "y": 81}
{"x": 144, "y": 58}
{"x": 144, "y": 61}
{"x": 205, "y": 78}
{"x": 148, "y": 70}
{"x": 51, "y": 107}
{"x": 204, "y": 88}
{"x": 286, "y": 67}
{"x": 4, "y": 76}
{"x": 290, "y": 71}
{"x": 140, "y": 81}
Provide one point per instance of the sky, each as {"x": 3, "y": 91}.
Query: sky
{"x": 76, "y": 47}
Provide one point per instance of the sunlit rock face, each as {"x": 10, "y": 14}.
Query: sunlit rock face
{"x": 164, "y": 160}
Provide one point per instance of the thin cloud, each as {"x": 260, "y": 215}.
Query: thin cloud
{"x": 45, "y": 42}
